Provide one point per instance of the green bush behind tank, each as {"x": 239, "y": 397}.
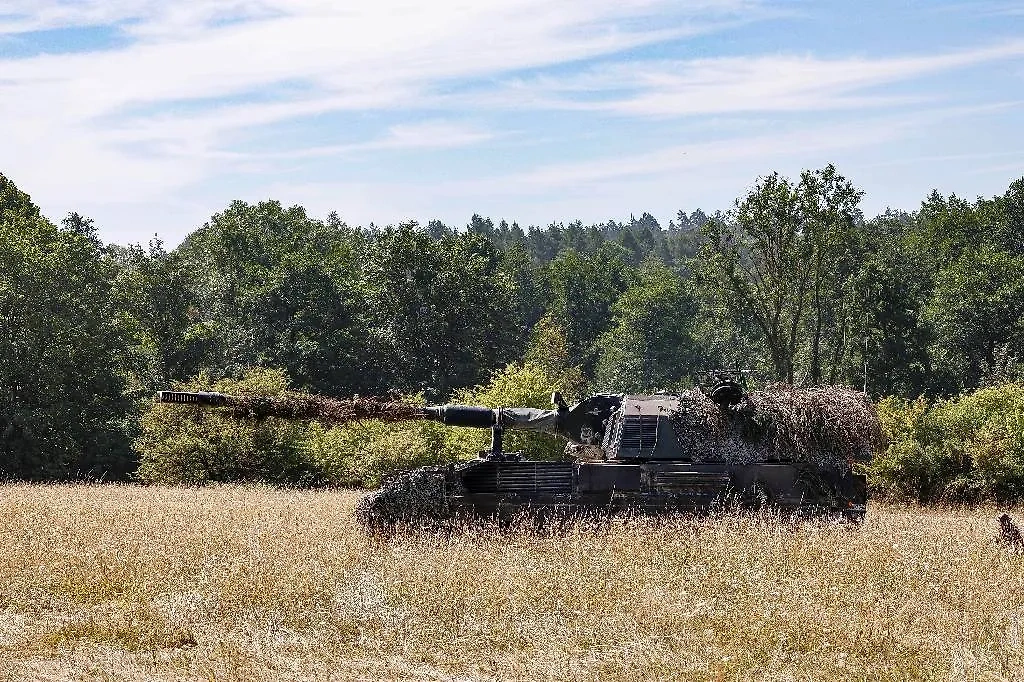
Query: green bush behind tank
{"x": 191, "y": 445}
{"x": 964, "y": 449}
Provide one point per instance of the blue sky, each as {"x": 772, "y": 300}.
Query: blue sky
{"x": 150, "y": 116}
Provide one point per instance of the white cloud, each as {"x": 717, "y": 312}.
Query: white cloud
{"x": 160, "y": 121}
{"x": 699, "y": 155}
{"x": 973, "y": 156}
{"x": 1013, "y": 171}
{"x": 437, "y": 134}
{"x": 736, "y": 84}
{"x": 990, "y": 7}
{"x": 698, "y": 174}
{"x": 112, "y": 111}
{"x": 148, "y": 17}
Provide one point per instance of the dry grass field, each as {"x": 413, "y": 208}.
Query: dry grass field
{"x": 133, "y": 583}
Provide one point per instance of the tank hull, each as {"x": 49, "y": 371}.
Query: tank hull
{"x": 502, "y": 489}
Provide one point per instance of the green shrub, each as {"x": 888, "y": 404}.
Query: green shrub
{"x": 191, "y": 445}
{"x": 363, "y": 454}
{"x": 961, "y": 450}
{"x": 991, "y": 425}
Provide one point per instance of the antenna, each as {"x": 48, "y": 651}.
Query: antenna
{"x": 865, "y": 364}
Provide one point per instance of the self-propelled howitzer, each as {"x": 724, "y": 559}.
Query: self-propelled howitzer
{"x": 786, "y": 448}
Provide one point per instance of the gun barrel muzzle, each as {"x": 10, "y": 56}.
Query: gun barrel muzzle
{"x": 193, "y": 398}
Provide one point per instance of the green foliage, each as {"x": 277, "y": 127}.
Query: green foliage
{"x": 967, "y": 256}
{"x": 889, "y": 354}
{"x": 976, "y": 313}
{"x": 964, "y": 450}
{"x": 364, "y": 454}
{"x": 650, "y": 345}
{"x": 444, "y": 312}
{"x": 780, "y": 265}
{"x": 158, "y": 304}
{"x": 191, "y": 445}
{"x": 277, "y": 288}
{"x": 905, "y": 470}
{"x": 15, "y": 205}
{"x": 62, "y": 404}
{"x": 548, "y": 352}
{"x": 429, "y": 310}
{"x": 583, "y": 288}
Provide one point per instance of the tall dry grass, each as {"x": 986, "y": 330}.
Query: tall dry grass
{"x": 250, "y": 583}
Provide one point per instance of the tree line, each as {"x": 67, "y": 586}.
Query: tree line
{"x": 792, "y": 281}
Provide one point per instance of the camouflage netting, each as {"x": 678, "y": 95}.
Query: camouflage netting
{"x": 827, "y": 425}
{"x": 328, "y": 411}
{"x": 415, "y": 496}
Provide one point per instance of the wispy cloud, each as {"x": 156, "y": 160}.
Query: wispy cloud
{"x": 975, "y": 156}
{"x": 404, "y": 137}
{"x": 1011, "y": 170}
{"x": 737, "y": 84}
{"x": 182, "y": 104}
{"x": 693, "y": 174}
{"x": 998, "y": 8}
{"x": 705, "y": 154}
{"x": 345, "y": 56}
{"x": 142, "y": 17}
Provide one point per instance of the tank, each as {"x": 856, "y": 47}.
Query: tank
{"x": 790, "y": 449}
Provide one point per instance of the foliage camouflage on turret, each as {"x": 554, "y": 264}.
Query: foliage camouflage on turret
{"x": 825, "y": 425}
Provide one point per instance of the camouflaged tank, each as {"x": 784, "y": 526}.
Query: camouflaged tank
{"x": 791, "y": 449}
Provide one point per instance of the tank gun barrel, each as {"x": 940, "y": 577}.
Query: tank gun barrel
{"x": 475, "y": 416}
{"x": 296, "y": 407}
{"x": 301, "y": 407}
{"x": 583, "y": 422}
